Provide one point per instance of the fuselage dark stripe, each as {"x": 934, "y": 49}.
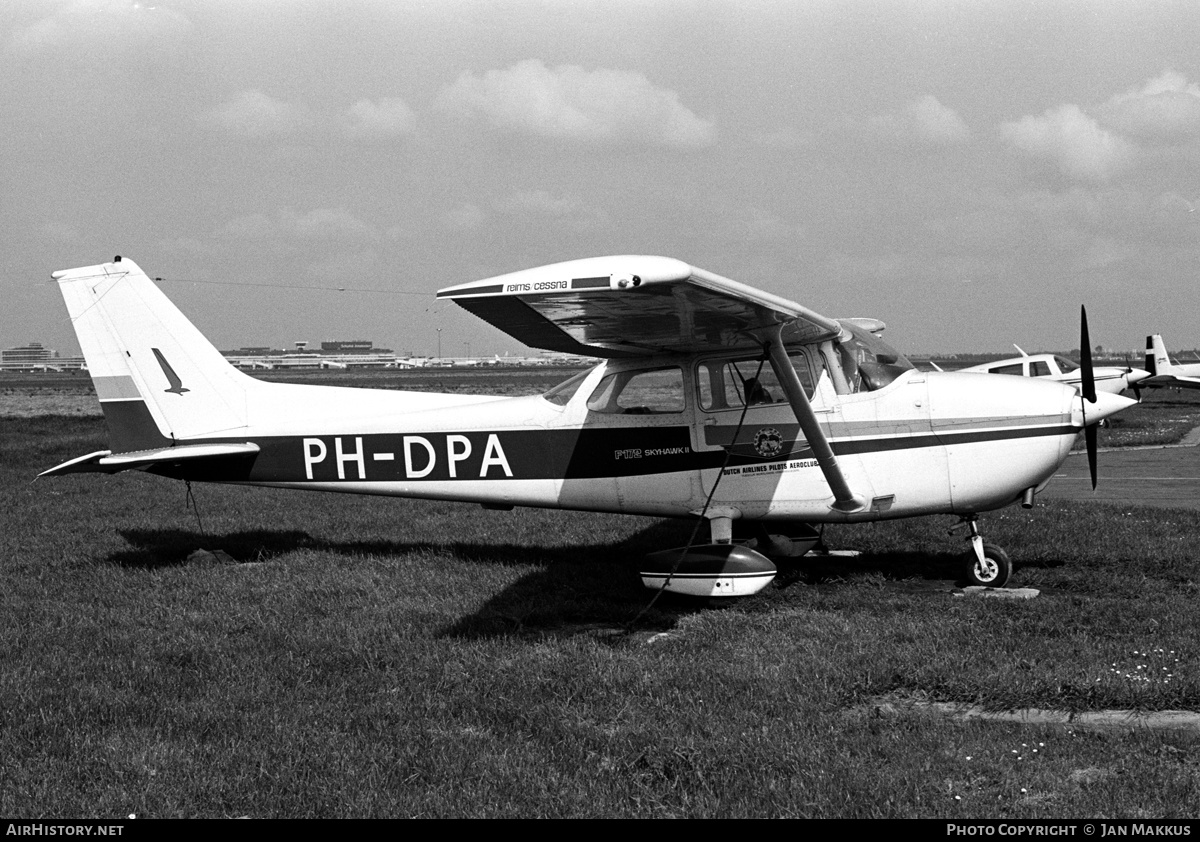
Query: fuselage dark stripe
{"x": 579, "y": 453}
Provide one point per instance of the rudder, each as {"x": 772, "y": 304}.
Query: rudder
{"x": 158, "y": 379}
{"x": 1157, "y": 361}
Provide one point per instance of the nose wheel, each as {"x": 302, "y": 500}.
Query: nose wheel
{"x": 986, "y": 564}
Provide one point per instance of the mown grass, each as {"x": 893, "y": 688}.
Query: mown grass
{"x": 375, "y": 657}
{"x": 1163, "y": 417}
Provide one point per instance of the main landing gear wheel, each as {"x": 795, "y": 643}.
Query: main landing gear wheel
{"x": 993, "y": 572}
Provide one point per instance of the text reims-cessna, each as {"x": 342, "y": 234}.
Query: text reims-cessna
{"x": 711, "y": 399}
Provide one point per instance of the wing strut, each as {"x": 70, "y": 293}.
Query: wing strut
{"x": 845, "y": 499}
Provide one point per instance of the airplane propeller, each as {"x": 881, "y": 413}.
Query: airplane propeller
{"x": 1137, "y": 390}
{"x": 1087, "y": 390}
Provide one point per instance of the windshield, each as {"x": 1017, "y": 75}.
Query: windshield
{"x": 561, "y": 394}
{"x": 1065, "y": 365}
{"x": 869, "y": 362}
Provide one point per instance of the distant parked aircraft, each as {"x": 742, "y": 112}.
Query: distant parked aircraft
{"x": 1114, "y": 379}
{"x": 1163, "y": 372}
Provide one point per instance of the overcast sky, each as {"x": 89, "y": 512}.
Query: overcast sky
{"x": 969, "y": 172}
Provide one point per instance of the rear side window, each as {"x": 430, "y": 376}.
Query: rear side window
{"x": 1016, "y": 369}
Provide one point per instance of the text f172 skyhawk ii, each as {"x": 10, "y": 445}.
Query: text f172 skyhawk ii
{"x": 710, "y": 398}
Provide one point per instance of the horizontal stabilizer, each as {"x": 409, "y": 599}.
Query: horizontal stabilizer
{"x": 106, "y": 462}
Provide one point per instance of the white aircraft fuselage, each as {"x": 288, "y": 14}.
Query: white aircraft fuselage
{"x": 769, "y": 412}
{"x": 1113, "y": 379}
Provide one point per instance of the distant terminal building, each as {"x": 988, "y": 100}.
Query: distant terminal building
{"x": 27, "y": 355}
{"x": 352, "y": 353}
{"x": 362, "y": 353}
{"x": 37, "y": 357}
{"x": 352, "y": 346}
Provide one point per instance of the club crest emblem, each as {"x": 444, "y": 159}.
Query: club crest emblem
{"x": 768, "y": 442}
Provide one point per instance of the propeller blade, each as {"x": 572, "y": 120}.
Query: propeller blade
{"x": 1088, "y": 386}
{"x": 1089, "y": 436}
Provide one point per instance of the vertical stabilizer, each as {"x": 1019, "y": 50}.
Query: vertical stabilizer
{"x": 158, "y": 379}
{"x": 1157, "y": 361}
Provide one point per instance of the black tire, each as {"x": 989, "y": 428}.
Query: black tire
{"x": 995, "y": 573}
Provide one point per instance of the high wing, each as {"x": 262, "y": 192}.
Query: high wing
{"x": 640, "y": 305}
{"x": 635, "y": 305}
{"x": 1171, "y": 381}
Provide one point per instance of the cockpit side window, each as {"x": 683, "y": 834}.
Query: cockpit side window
{"x": 733, "y": 382}
{"x": 1039, "y": 368}
{"x": 644, "y": 392}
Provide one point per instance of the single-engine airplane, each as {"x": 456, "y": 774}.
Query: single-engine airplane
{"x": 710, "y": 399}
{"x": 1163, "y": 372}
{"x": 1114, "y": 379}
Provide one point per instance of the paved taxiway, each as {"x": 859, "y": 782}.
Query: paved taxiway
{"x": 1147, "y": 476}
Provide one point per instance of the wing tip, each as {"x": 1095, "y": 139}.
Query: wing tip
{"x": 117, "y": 265}
{"x": 648, "y": 268}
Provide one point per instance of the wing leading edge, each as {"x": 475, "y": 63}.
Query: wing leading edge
{"x": 634, "y": 305}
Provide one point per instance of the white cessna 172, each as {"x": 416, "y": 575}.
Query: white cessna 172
{"x": 712, "y": 399}
{"x": 1115, "y": 379}
{"x": 1163, "y": 372}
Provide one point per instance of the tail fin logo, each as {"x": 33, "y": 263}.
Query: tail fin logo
{"x": 177, "y": 386}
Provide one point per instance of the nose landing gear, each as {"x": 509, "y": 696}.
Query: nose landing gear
{"x": 986, "y": 564}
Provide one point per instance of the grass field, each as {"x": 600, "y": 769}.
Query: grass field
{"x": 376, "y": 657}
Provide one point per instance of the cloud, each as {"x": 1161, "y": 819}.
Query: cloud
{"x": 61, "y": 232}
{"x": 924, "y": 122}
{"x": 538, "y": 206}
{"x": 755, "y": 225}
{"x": 576, "y": 213}
{"x": 387, "y": 117}
{"x": 1156, "y": 119}
{"x": 255, "y": 226}
{"x": 572, "y": 104}
{"x": 786, "y": 138}
{"x": 1077, "y": 143}
{"x": 255, "y": 114}
{"x": 934, "y": 122}
{"x": 539, "y": 203}
{"x": 89, "y": 29}
{"x": 464, "y": 217}
{"x": 328, "y": 224}
{"x": 1165, "y": 109}
{"x": 321, "y": 224}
